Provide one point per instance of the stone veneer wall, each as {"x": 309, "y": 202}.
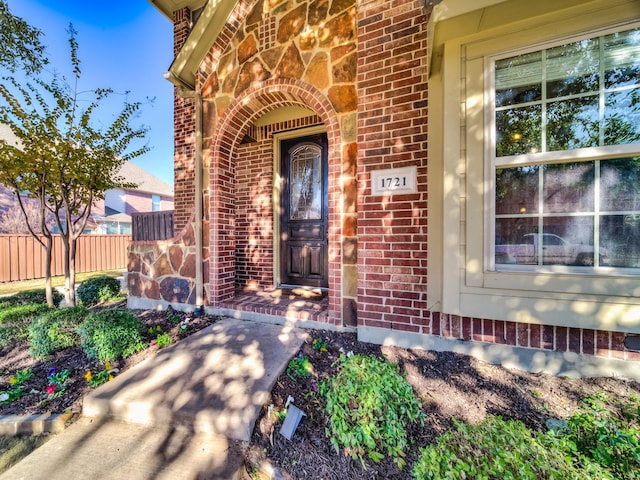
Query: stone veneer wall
{"x": 271, "y": 54}
{"x": 164, "y": 270}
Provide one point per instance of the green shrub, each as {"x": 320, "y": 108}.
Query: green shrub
{"x": 98, "y": 289}
{"x": 369, "y": 405}
{"x": 503, "y": 449}
{"x": 30, "y": 297}
{"x": 56, "y": 330}
{"x": 111, "y": 334}
{"x": 609, "y": 433}
{"x": 15, "y": 321}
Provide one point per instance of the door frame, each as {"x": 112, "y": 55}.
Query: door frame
{"x": 277, "y": 190}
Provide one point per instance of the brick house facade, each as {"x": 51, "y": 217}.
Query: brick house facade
{"x": 404, "y": 89}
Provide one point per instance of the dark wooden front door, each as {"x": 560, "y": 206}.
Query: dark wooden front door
{"x": 304, "y": 206}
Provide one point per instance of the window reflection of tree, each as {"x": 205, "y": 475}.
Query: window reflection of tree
{"x": 565, "y": 96}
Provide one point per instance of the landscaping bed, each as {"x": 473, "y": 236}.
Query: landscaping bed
{"x": 440, "y": 397}
{"x": 16, "y": 358}
{"x": 449, "y": 386}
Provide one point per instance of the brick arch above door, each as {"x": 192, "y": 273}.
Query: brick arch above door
{"x": 229, "y": 132}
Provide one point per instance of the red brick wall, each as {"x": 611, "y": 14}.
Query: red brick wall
{"x": 543, "y": 337}
{"x": 254, "y": 215}
{"x": 392, "y": 133}
{"x": 184, "y": 135}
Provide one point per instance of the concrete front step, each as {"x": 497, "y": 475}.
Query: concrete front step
{"x": 214, "y": 382}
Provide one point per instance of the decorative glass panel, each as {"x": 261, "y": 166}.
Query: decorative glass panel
{"x": 305, "y": 183}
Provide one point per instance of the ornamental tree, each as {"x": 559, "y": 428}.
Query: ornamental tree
{"x": 20, "y": 46}
{"x": 63, "y": 159}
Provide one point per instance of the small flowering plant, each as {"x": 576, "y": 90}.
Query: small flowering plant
{"x": 56, "y": 382}
{"x": 184, "y": 325}
{"x": 16, "y": 381}
{"x": 174, "y": 315}
{"x": 299, "y": 366}
{"x": 101, "y": 376}
{"x": 320, "y": 345}
{"x": 155, "y": 331}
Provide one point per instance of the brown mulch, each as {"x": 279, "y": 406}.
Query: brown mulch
{"x": 450, "y": 386}
{"x": 16, "y": 357}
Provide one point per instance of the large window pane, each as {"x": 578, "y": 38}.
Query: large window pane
{"x": 517, "y": 190}
{"x": 562, "y": 88}
{"x": 620, "y": 239}
{"x": 622, "y": 58}
{"x": 622, "y": 117}
{"x": 573, "y": 68}
{"x": 583, "y": 214}
{"x": 620, "y": 185}
{"x": 519, "y": 130}
{"x": 568, "y": 188}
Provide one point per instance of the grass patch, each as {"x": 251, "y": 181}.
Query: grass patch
{"x": 14, "y": 449}
{"x": 9, "y": 288}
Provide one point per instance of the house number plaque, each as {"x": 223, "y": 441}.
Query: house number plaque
{"x": 394, "y": 180}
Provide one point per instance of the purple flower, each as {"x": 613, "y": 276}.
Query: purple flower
{"x": 51, "y": 372}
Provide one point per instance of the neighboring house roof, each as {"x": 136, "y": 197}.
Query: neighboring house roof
{"x": 145, "y": 181}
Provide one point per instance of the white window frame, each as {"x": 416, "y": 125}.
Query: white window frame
{"x": 460, "y": 177}
{"x": 544, "y": 157}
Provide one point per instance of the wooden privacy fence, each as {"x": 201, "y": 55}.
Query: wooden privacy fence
{"x": 23, "y": 258}
{"x": 152, "y": 225}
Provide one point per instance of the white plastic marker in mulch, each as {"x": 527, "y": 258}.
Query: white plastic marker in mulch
{"x": 292, "y": 420}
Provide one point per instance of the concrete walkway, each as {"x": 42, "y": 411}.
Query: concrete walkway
{"x": 177, "y": 415}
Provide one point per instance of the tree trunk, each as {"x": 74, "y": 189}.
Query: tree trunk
{"x": 69, "y": 294}
{"x": 47, "y": 271}
{"x": 72, "y": 270}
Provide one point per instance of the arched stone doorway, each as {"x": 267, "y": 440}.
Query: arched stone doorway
{"x": 232, "y": 170}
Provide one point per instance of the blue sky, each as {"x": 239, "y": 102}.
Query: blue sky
{"x": 125, "y": 45}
